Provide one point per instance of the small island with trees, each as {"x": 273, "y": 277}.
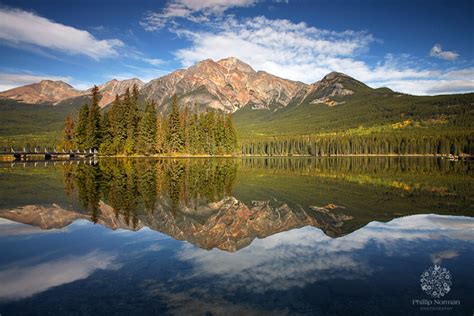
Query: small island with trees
{"x": 125, "y": 130}
{"x": 130, "y": 128}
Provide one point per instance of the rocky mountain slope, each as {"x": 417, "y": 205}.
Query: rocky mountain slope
{"x": 228, "y": 85}
{"x": 59, "y": 92}
{"x": 113, "y": 87}
{"x": 45, "y": 91}
{"x": 228, "y": 224}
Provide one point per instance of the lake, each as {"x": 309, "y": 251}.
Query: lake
{"x": 329, "y": 236}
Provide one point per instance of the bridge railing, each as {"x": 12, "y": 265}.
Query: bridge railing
{"x": 47, "y": 151}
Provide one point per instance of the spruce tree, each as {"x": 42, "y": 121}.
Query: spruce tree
{"x": 208, "y": 132}
{"x": 106, "y": 135}
{"x": 184, "y": 122}
{"x": 193, "y": 135}
{"x": 219, "y": 134}
{"x": 93, "y": 129}
{"x": 131, "y": 102}
{"x": 147, "y": 130}
{"x": 174, "y": 138}
{"x": 81, "y": 126}
{"x": 69, "y": 133}
{"x": 230, "y": 135}
{"x": 118, "y": 119}
{"x": 161, "y": 134}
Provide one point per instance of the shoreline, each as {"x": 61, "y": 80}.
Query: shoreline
{"x": 289, "y": 156}
{"x": 448, "y": 157}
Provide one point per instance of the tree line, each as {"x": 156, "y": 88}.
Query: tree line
{"x": 126, "y": 129}
{"x": 137, "y": 187}
{"x": 381, "y": 144}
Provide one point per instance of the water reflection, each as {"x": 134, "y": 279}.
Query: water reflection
{"x": 297, "y": 271}
{"x": 333, "y": 236}
{"x": 227, "y": 203}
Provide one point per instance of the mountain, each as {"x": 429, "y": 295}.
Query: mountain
{"x": 228, "y": 224}
{"x": 228, "y": 84}
{"x": 332, "y": 86}
{"x": 59, "y": 92}
{"x": 113, "y": 87}
{"x": 45, "y": 91}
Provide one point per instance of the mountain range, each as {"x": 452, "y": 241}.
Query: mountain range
{"x": 227, "y": 224}
{"x": 228, "y": 85}
{"x": 263, "y": 105}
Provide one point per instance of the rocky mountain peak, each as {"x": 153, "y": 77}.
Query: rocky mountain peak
{"x": 228, "y": 84}
{"x": 232, "y": 63}
{"x": 335, "y": 75}
{"x": 332, "y": 88}
{"x": 113, "y": 87}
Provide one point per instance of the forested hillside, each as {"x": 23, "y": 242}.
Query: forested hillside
{"x": 373, "y": 121}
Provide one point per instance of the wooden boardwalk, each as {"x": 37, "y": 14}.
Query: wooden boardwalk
{"x": 37, "y": 154}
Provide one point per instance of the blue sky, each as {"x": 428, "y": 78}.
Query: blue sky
{"x": 418, "y": 47}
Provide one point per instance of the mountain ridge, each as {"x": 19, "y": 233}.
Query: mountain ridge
{"x": 228, "y": 84}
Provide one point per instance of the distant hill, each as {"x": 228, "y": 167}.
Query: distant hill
{"x": 45, "y": 91}
{"x": 340, "y": 104}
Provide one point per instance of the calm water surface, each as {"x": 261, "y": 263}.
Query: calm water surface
{"x": 329, "y": 236}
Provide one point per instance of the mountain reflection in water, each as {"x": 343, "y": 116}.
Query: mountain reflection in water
{"x": 227, "y": 203}
{"x": 251, "y": 236}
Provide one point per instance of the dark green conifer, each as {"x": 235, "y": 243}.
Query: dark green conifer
{"x": 147, "y": 130}
{"x": 174, "y": 138}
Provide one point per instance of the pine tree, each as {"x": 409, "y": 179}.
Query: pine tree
{"x": 106, "y": 135}
{"x": 118, "y": 119}
{"x": 184, "y": 122}
{"x": 69, "y": 133}
{"x": 147, "y": 130}
{"x": 161, "y": 133}
{"x": 135, "y": 94}
{"x": 193, "y": 135}
{"x": 93, "y": 129}
{"x": 175, "y": 134}
{"x": 131, "y": 102}
{"x": 230, "y": 135}
{"x": 81, "y": 126}
{"x": 219, "y": 134}
{"x": 208, "y": 132}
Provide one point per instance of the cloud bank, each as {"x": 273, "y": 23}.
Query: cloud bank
{"x": 301, "y": 52}
{"x": 20, "y": 27}
{"x": 307, "y": 255}
{"x": 192, "y": 10}
{"x": 24, "y": 281}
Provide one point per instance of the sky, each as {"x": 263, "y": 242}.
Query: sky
{"x": 417, "y": 47}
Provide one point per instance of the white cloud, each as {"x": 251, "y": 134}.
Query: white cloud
{"x": 300, "y": 52}
{"x": 437, "y": 51}
{"x": 192, "y": 10}
{"x": 24, "y": 281}
{"x": 22, "y": 27}
{"x": 306, "y": 255}
{"x": 283, "y": 48}
{"x": 154, "y": 61}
